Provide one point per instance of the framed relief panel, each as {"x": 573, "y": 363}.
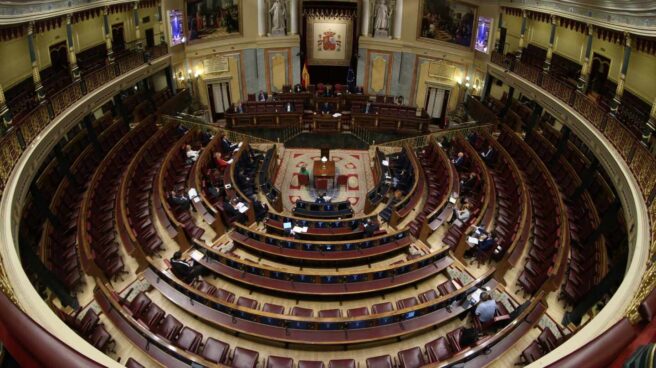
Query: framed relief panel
{"x": 209, "y": 19}
{"x": 329, "y": 40}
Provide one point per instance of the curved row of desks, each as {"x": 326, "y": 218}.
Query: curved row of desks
{"x": 328, "y": 282}
{"x": 315, "y": 330}
{"x": 291, "y": 250}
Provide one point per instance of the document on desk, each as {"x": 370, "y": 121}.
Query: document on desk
{"x": 196, "y": 255}
{"x": 241, "y": 207}
{"x": 299, "y": 229}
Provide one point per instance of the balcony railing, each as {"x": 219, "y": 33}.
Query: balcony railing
{"x": 20, "y": 134}
{"x": 639, "y": 159}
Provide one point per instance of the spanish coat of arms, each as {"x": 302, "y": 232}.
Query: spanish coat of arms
{"x": 329, "y": 42}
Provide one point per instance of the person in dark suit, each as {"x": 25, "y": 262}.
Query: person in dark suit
{"x": 488, "y": 155}
{"x": 459, "y": 160}
{"x": 226, "y": 145}
{"x": 261, "y": 96}
{"x": 187, "y": 271}
{"x": 298, "y": 88}
{"x": 326, "y": 109}
{"x": 468, "y": 183}
{"x": 370, "y": 228}
{"x": 238, "y": 108}
{"x": 178, "y": 201}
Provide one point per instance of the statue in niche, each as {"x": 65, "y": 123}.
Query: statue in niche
{"x": 278, "y": 14}
{"x": 382, "y": 19}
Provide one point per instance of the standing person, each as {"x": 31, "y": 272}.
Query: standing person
{"x": 486, "y": 308}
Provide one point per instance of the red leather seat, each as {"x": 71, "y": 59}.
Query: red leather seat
{"x": 279, "y": 362}
{"x": 382, "y": 308}
{"x": 454, "y": 339}
{"x": 204, "y": 287}
{"x": 407, "y": 302}
{"x": 273, "y": 308}
{"x": 247, "y": 302}
{"x": 244, "y": 358}
{"x": 428, "y": 295}
{"x": 383, "y": 361}
{"x": 225, "y": 295}
{"x": 131, "y": 363}
{"x": 140, "y": 302}
{"x": 215, "y": 350}
{"x": 411, "y": 358}
{"x": 357, "y": 312}
{"x": 438, "y": 350}
{"x": 342, "y": 363}
{"x": 151, "y": 316}
{"x": 169, "y": 327}
{"x": 100, "y": 338}
{"x": 310, "y": 364}
{"x": 447, "y": 287}
{"x": 189, "y": 339}
{"x": 302, "y": 312}
{"x": 330, "y": 313}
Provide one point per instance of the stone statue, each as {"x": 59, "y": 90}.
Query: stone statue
{"x": 381, "y": 19}
{"x": 278, "y": 18}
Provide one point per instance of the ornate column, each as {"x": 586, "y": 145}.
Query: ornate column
{"x": 160, "y": 19}
{"x": 552, "y": 37}
{"x": 398, "y": 19}
{"x": 36, "y": 76}
{"x": 498, "y": 42}
{"x": 649, "y": 130}
{"x": 72, "y": 58}
{"x": 108, "y": 35}
{"x": 487, "y": 87}
{"x": 261, "y": 18}
{"x": 521, "y": 37}
{"x": 137, "y": 30}
{"x": 582, "y": 83}
{"x": 5, "y": 115}
{"x": 366, "y": 16}
{"x": 293, "y": 13}
{"x": 617, "y": 100}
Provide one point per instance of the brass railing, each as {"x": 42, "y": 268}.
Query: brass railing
{"x": 191, "y": 123}
{"x": 422, "y": 140}
{"x": 640, "y": 161}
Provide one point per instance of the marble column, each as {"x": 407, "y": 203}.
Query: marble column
{"x": 398, "y": 19}
{"x": 366, "y": 17}
{"x": 582, "y": 83}
{"x": 137, "y": 30}
{"x": 647, "y": 133}
{"x": 293, "y": 13}
{"x": 617, "y": 100}
{"x": 36, "y": 76}
{"x": 72, "y": 58}
{"x": 5, "y": 115}
{"x": 261, "y": 18}
{"x": 552, "y": 38}
{"x": 160, "y": 19}
{"x": 522, "y": 33}
{"x": 498, "y": 46}
{"x": 108, "y": 35}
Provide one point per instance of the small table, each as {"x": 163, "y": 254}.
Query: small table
{"x": 322, "y": 170}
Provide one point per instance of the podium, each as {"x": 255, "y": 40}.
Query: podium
{"x": 324, "y": 170}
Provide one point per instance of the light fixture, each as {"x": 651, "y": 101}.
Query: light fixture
{"x": 467, "y": 78}
{"x": 467, "y": 85}
{"x": 324, "y": 159}
{"x": 459, "y": 81}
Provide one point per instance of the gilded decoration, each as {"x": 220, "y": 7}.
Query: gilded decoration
{"x": 643, "y": 166}
{"x": 33, "y": 125}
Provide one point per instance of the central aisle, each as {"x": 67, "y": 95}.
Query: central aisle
{"x": 355, "y": 164}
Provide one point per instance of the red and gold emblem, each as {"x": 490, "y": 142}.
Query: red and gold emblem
{"x": 329, "y": 41}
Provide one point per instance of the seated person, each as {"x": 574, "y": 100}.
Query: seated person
{"x": 461, "y": 216}
{"x": 370, "y": 228}
{"x": 289, "y": 107}
{"x": 486, "y": 308}
{"x": 459, "y": 160}
{"x": 238, "y": 108}
{"x": 227, "y": 146}
{"x": 261, "y": 96}
{"x": 326, "y": 109}
{"x": 468, "y": 183}
{"x": 221, "y": 164}
{"x": 187, "y": 271}
{"x": 178, "y": 201}
{"x": 261, "y": 210}
{"x": 488, "y": 155}
{"x": 321, "y": 198}
{"x": 191, "y": 155}
{"x": 486, "y": 242}
{"x": 206, "y": 137}
{"x": 298, "y": 88}
{"x": 368, "y": 109}
{"x": 232, "y": 210}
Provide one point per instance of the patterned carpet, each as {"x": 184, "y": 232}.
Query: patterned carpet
{"x": 352, "y": 163}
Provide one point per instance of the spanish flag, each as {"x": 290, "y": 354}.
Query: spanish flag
{"x": 305, "y": 76}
